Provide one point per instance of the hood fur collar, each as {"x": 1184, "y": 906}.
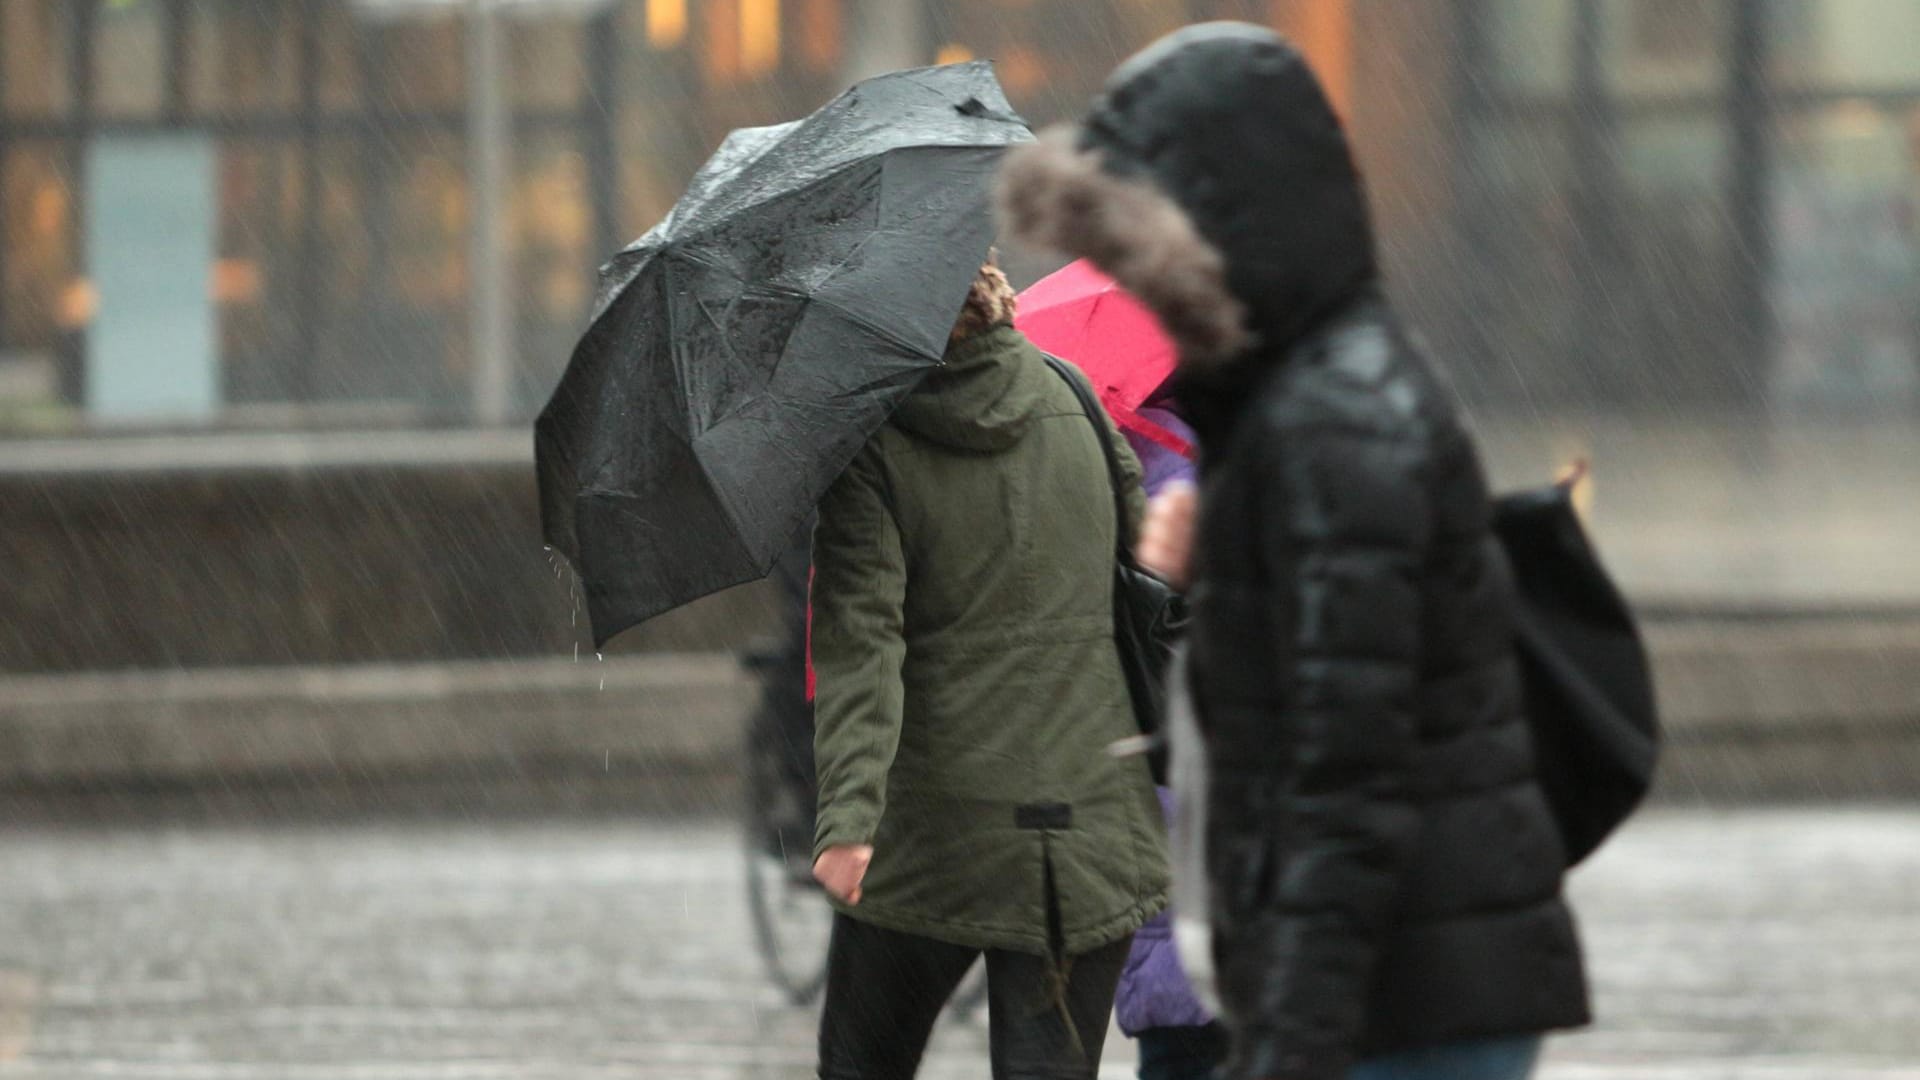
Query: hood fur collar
{"x": 1054, "y": 195}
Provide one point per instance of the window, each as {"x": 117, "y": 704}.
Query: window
{"x": 1847, "y": 218}
{"x": 1529, "y": 45}
{"x": 243, "y": 56}
{"x": 43, "y": 304}
{"x": 1673, "y": 31}
{"x": 418, "y": 65}
{"x": 36, "y": 78}
{"x": 256, "y": 277}
{"x": 550, "y": 241}
{"x": 547, "y": 58}
{"x": 130, "y": 58}
{"x": 1851, "y": 44}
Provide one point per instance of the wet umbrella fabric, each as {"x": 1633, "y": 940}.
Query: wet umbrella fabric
{"x": 742, "y": 351}
{"x": 1082, "y": 315}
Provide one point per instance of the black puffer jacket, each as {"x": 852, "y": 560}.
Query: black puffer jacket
{"x": 1385, "y": 871}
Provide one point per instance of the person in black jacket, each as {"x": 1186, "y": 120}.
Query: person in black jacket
{"x": 1384, "y": 873}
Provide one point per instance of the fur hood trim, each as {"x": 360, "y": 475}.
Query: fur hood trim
{"x": 1054, "y": 195}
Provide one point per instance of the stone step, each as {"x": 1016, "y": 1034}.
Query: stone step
{"x": 1814, "y": 707}
{"x": 666, "y": 711}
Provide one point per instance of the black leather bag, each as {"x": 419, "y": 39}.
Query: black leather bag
{"x": 1148, "y": 615}
{"x": 1587, "y": 684}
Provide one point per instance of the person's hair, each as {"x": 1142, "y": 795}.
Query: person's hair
{"x": 990, "y": 303}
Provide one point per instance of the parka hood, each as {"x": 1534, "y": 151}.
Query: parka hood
{"x": 1213, "y": 180}
{"x": 984, "y": 395}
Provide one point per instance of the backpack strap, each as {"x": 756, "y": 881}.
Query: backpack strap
{"x": 1116, "y": 480}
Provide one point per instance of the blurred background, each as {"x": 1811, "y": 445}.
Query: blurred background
{"x": 284, "y": 282}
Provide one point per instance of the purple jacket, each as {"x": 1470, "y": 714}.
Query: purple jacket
{"x": 1158, "y": 465}
{"x": 1153, "y": 989}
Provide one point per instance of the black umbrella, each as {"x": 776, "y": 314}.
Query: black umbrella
{"x": 742, "y": 351}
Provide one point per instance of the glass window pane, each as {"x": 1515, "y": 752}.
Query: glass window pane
{"x": 393, "y": 320}
{"x": 1663, "y": 48}
{"x": 420, "y": 65}
{"x": 130, "y": 58}
{"x": 1848, "y": 44}
{"x": 547, "y": 58}
{"x": 820, "y": 29}
{"x": 1051, "y": 55}
{"x": 657, "y": 113}
{"x": 344, "y": 259}
{"x": 1847, "y": 256}
{"x": 339, "y": 42}
{"x": 243, "y": 56}
{"x": 256, "y": 273}
{"x": 1526, "y": 249}
{"x": 35, "y": 68}
{"x": 553, "y": 260}
{"x": 1531, "y": 45}
{"x": 1680, "y": 257}
{"x": 45, "y": 302}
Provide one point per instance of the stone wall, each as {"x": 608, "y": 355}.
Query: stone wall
{"x": 243, "y": 556}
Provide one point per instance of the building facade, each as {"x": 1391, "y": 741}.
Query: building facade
{"x": 1612, "y": 204}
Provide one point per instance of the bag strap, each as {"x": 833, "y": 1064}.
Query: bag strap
{"x": 1116, "y": 480}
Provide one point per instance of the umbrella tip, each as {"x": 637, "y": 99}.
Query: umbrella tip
{"x": 976, "y": 109}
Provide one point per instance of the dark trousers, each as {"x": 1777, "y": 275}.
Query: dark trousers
{"x": 885, "y": 989}
{"x": 1182, "y": 1053}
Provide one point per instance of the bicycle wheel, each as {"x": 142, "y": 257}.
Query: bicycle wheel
{"x": 792, "y": 921}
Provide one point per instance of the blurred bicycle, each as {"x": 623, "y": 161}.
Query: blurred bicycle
{"x": 792, "y": 920}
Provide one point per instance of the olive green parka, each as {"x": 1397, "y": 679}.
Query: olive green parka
{"x": 968, "y": 685}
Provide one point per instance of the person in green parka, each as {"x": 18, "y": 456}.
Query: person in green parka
{"x": 968, "y": 688}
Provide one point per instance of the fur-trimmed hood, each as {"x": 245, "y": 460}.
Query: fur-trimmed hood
{"x": 1213, "y": 180}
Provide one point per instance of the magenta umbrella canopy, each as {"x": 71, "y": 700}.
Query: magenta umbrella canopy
{"x": 1081, "y": 315}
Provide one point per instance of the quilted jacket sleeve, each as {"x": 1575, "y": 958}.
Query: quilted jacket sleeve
{"x": 1311, "y": 819}
{"x": 859, "y": 592}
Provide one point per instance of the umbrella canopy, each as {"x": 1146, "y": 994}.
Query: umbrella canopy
{"x": 742, "y": 351}
{"x": 1080, "y": 314}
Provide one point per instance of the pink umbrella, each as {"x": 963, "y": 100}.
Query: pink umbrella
{"x": 1081, "y": 315}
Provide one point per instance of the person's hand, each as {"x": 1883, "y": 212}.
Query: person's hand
{"x": 841, "y": 868}
{"x": 1571, "y": 474}
{"x": 1166, "y": 537}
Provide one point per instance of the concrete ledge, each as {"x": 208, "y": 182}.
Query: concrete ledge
{"x": 664, "y": 712}
{"x": 1805, "y": 672}
{"x": 322, "y": 550}
{"x": 183, "y": 453}
{"x": 1815, "y": 708}
{"x": 1812, "y": 708}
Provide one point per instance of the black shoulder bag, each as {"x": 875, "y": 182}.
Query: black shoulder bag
{"x": 1148, "y": 615}
{"x": 1588, "y": 686}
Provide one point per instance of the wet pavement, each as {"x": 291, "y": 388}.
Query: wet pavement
{"x": 1772, "y": 944}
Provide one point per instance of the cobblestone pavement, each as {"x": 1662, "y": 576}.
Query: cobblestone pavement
{"x": 1777, "y": 945}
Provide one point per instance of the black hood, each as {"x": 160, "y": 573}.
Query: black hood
{"x": 1227, "y": 122}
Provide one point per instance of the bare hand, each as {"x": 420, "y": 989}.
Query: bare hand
{"x": 1166, "y": 538}
{"x": 841, "y": 868}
